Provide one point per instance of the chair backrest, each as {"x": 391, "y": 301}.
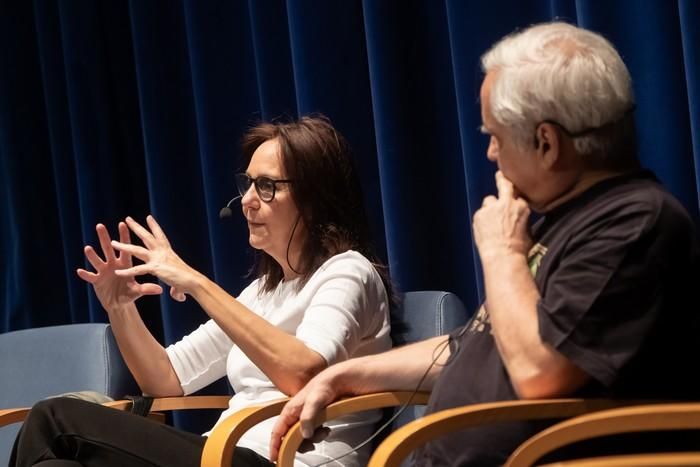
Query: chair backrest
{"x": 422, "y": 315}
{"x": 42, "y": 362}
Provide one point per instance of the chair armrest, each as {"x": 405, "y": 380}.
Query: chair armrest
{"x": 398, "y": 445}
{"x": 650, "y": 417}
{"x": 677, "y": 459}
{"x": 9, "y": 416}
{"x": 379, "y": 400}
{"x": 218, "y": 449}
{"x": 162, "y": 404}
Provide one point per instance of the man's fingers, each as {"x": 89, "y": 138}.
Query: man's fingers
{"x": 504, "y": 186}
{"x": 489, "y": 200}
{"x": 288, "y": 417}
{"x": 308, "y": 415}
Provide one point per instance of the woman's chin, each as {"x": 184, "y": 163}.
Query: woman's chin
{"x": 256, "y": 243}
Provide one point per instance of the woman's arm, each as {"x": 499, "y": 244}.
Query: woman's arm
{"x": 286, "y": 360}
{"x": 144, "y": 356}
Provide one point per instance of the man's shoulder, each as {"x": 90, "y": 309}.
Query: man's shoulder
{"x": 621, "y": 209}
{"x": 638, "y": 194}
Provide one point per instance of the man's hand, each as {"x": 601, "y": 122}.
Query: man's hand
{"x": 304, "y": 407}
{"x": 501, "y": 224}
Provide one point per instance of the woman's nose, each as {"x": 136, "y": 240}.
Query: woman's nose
{"x": 250, "y": 197}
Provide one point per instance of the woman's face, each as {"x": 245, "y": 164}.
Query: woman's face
{"x": 271, "y": 223}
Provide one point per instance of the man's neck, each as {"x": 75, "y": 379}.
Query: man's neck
{"x": 586, "y": 180}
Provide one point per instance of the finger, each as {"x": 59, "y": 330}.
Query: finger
{"x": 504, "y": 186}
{"x": 155, "y": 228}
{"x": 141, "y": 232}
{"x": 307, "y": 418}
{"x": 87, "y": 276}
{"x": 177, "y": 295}
{"x": 135, "y": 250}
{"x": 149, "y": 289}
{"x": 139, "y": 270}
{"x": 103, "y": 236}
{"x": 489, "y": 200}
{"x": 93, "y": 258}
{"x": 124, "y": 237}
{"x": 288, "y": 417}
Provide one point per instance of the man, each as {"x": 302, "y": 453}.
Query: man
{"x": 596, "y": 300}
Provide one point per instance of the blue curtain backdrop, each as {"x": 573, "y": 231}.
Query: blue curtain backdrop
{"x": 118, "y": 108}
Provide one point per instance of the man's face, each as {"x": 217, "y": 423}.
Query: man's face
{"x": 517, "y": 165}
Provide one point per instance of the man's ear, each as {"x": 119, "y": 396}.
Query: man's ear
{"x": 548, "y": 144}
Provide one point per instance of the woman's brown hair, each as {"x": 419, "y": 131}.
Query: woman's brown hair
{"x": 326, "y": 190}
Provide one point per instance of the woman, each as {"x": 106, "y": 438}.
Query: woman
{"x": 318, "y": 298}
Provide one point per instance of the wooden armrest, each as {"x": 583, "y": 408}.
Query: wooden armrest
{"x": 218, "y": 449}
{"x": 679, "y": 459}
{"x": 379, "y": 400}
{"x": 651, "y": 417}
{"x": 403, "y": 441}
{"x": 162, "y": 404}
{"x": 9, "y": 416}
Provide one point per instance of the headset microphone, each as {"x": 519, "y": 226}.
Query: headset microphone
{"x": 226, "y": 210}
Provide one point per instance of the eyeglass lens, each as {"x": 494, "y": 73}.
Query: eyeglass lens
{"x": 263, "y": 186}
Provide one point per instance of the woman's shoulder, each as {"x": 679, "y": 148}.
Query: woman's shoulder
{"x": 349, "y": 264}
{"x": 349, "y": 260}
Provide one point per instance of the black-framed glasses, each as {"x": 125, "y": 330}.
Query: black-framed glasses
{"x": 266, "y": 187}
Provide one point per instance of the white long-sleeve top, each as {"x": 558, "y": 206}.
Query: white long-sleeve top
{"x": 341, "y": 312}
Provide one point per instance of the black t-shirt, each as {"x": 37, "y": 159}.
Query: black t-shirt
{"x": 617, "y": 270}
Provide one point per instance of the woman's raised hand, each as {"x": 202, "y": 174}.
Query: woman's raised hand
{"x": 112, "y": 290}
{"x": 159, "y": 259}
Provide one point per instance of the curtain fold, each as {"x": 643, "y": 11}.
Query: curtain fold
{"x": 109, "y": 109}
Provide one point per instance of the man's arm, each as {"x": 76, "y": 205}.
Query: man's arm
{"x": 535, "y": 368}
{"x": 398, "y": 369}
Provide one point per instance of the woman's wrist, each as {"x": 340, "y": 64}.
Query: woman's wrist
{"x": 120, "y": 309}
{"x": 197, "y": 284}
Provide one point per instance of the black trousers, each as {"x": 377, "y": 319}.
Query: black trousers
{"x": 65, "y": 432}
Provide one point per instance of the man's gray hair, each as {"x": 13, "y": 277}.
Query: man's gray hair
{"x": 561, "y": 73}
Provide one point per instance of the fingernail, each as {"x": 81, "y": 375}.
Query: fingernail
{"x": 306, "y": 433}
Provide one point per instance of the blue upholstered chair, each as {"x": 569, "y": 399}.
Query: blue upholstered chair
{"x": 422, "y": 315}
{"x": 42, "y": 362}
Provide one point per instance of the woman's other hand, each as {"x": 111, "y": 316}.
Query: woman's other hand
{"x": 159, "y": 259}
